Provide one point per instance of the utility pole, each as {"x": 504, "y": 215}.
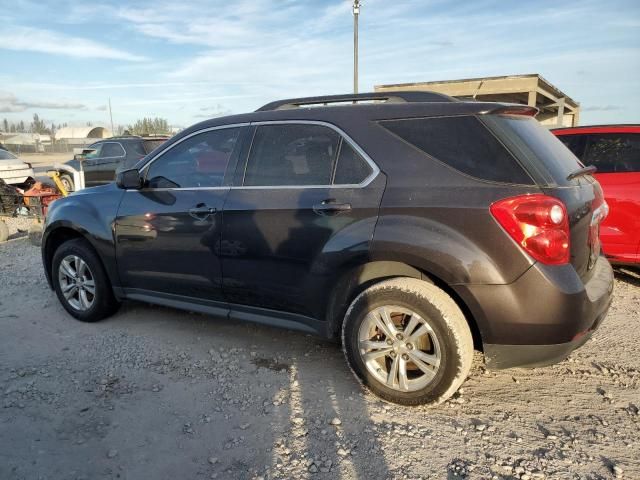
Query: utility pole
{"x": 356, "y": 13}
{"x": 111, "y": 117}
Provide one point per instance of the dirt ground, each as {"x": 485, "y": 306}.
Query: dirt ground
{"x": 163, "y": 394}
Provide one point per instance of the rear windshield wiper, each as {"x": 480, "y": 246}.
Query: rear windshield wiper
{"x": 582, "y": 171}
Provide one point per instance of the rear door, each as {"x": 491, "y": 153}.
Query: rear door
{"x": 168, "y": 233}
{"x": 305, "y": 196}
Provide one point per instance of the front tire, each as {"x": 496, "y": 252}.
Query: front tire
{"x": 408, "y": 342}
{"x": 67, "y": 182}
{"x": 80, "y": 282}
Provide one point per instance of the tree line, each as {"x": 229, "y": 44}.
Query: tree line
{"x": 143, "y": 126}
{"x": 36, "y": 126}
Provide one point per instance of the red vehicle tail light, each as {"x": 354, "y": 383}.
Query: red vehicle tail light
{"x": 538, "y": 223}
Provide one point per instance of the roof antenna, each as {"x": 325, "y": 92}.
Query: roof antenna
{"x": 478, "y": 89}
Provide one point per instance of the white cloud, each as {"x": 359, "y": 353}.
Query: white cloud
{"x": 46, "y": 41}
{"x": 10, "y": 104}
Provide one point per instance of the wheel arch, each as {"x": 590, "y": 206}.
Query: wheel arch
{"x": 57, "y": 237}
{"x": 359, "y": 278}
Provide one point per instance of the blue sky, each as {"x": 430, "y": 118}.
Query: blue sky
{"x": 189, "y": 60}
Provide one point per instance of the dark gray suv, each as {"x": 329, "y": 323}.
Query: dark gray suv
{"x": 410, "y": 226}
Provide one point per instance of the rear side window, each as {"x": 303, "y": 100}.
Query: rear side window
{"x": 613, "y": 152}
{"x": 351, "y": 168}
{"x": 291, "y": 154}
{"x": 463, "y": 143}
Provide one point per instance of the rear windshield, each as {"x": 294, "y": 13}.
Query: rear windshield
{"x": 151, "y": 145}
{"x": 4, "y": 155}
{"x": 463, "y": 143}
{"x": 537, "y": 148}
{"x": 608, "y": 152}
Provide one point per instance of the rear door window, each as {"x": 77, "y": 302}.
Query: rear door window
{"x": 112, "y": 149}
{"x": 613, "y": 152}
{"x": 464, "y": 144}
{"x": 291, "y": 155}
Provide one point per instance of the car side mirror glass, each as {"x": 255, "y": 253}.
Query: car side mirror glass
{"x": 79, "y": 156}
{"x": 129, "y": 179}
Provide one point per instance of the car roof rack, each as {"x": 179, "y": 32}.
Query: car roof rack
{"x": 386, "y": 97}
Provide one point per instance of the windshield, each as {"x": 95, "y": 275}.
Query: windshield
{"x": 535, "y": 146}
{"x": 4, "y": 155}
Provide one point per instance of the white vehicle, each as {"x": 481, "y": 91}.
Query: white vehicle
{"x": 13, "y": 170}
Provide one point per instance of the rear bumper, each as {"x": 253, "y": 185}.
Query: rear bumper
{"x": 498, "y": 357}
{"x": 541, "y": 317}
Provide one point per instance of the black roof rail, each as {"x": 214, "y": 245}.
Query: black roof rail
{"x": 389, "y": 97}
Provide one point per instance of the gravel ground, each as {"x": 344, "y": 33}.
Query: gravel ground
{"x": 158, "y": 393}
{"x": 18, "y": 227}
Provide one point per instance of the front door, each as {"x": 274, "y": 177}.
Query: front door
{"x": 303, "y": 196}
{"x": 91, "y": 166}
{"x": 168, "y": 233}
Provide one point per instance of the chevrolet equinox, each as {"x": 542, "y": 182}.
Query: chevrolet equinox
{"x": 412, "y": 227}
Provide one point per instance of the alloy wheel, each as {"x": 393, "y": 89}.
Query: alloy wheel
{"x": 76, "y": 283}
{"x": 399, "y": 348}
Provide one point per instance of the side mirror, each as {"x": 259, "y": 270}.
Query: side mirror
{"x": 129, "y": 179}
{"x": 82, "y": 153}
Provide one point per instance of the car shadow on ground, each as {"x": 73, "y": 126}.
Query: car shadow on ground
{"x": 319, "y": 417}
{"x": 630, "y": 275}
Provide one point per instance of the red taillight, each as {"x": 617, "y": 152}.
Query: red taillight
{"x": 538, "y": 223}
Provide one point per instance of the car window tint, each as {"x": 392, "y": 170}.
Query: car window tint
{"x": 613, "y": 152}
{"x": 291, "y": 155}
{"x": 351, "y": 169}
{"x": 199, "y": 161}
{"x": 463, "y": 143}
{"x": 112, "y": 149}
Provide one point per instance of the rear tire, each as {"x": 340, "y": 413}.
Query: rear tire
{"x": 421, "y": 354}
{"x": 80, "y": 282}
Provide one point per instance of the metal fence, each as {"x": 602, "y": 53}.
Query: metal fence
{"x": 59, "y": 146}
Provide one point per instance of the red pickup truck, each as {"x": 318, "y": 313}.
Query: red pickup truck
{"x": 615, "y": 151}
